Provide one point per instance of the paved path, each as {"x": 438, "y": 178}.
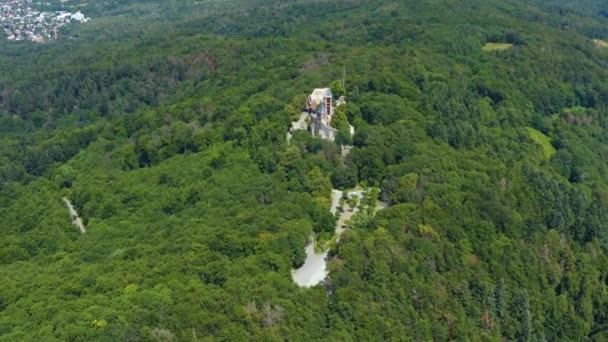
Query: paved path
{"x": 314, "y": 270}
{"x": 301, "y": 123}
{"x": 335, "y": 201}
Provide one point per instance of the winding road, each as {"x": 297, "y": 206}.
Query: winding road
{"x": 314, "y": 270}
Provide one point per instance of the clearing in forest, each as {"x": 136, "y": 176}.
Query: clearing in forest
{"x": 496, "y": 46}
{"x": 76, "y": 220}
{"x": 543, "y": 140}
{"x": 600, "y": 43}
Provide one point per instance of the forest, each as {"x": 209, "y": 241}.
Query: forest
{"x": 483, "y": 124}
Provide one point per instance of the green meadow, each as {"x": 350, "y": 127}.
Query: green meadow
{"x": 496, "y": 46}
{"x": 544, "y": 141}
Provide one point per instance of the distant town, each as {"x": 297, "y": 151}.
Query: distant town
{"x": 20, "y": 21}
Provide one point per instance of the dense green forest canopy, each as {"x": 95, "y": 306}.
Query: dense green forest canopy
{"x": 483, "y": 123}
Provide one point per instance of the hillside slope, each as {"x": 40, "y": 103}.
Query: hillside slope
{"x": 164, "y": 123}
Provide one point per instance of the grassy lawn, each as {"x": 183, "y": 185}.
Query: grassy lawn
{"x": 544, "y": 141}
{"x": 496, "y": 46}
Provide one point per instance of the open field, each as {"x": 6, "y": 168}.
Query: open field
{"x": 496, "y": 46}
{"x": 544, "y": 141}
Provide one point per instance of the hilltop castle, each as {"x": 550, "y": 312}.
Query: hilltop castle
{"x": 319, "y": 108}
{"x": 321, "y": 103}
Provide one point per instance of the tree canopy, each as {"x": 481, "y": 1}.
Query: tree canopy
{"x": 165, "y": 124}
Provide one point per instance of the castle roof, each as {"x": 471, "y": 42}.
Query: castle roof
{"x": 319, "y": 94}
{"x": 316, "y": 100}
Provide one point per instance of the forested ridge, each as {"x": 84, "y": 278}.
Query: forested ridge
{"x": 482, "y": 123}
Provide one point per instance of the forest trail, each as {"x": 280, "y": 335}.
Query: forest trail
{"x": 335, "y": 200}
{"x": 348, "y": 213}
{"x": 341, "y": 225}
{"x": 76, "y": 220}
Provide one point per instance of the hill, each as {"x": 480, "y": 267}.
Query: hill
{"x": 164, "y": 123}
